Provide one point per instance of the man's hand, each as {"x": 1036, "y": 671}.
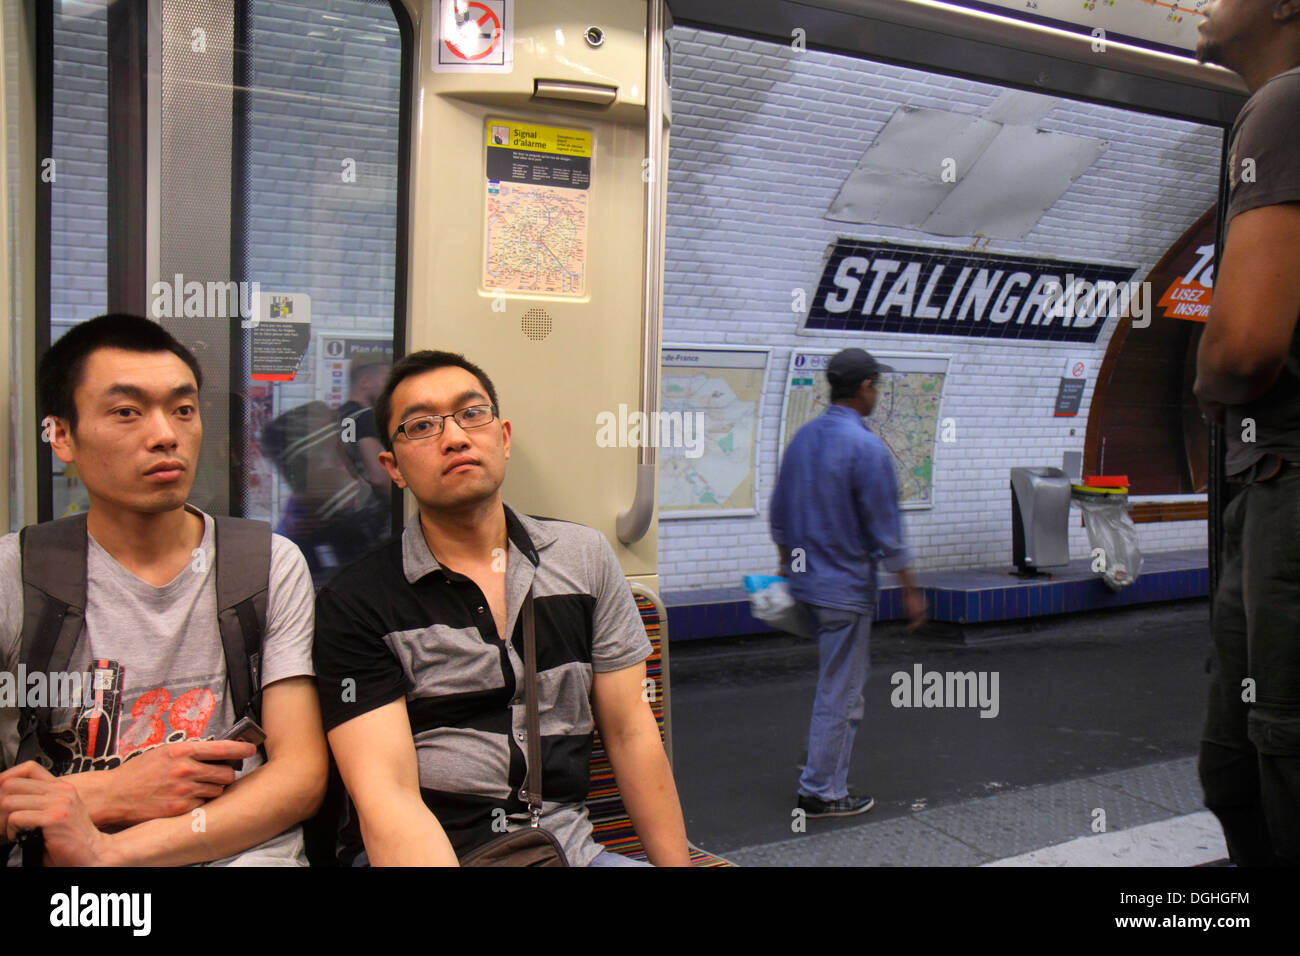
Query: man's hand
{"x": 914, "y": 608}
{"x": 31, "y": 797}
{"x": 164, "y": 781}
{"x": 1213, "y": 410}
{"x": 913, "y": 599}
{"x": 176, "y": 778}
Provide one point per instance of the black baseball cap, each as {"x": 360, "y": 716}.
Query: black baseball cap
{"x": 853, "y": 366}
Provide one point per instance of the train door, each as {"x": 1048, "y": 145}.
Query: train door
{"x": 536, "y": 198}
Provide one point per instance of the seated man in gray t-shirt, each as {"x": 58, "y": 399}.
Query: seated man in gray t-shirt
{"x": 134, "y": 762}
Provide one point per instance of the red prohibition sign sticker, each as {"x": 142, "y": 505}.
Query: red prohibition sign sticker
{"x": 468, "y": 45}
{"x": 1078, "y": 370}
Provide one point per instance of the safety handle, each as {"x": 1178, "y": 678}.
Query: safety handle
{"x": 633, "y": 523}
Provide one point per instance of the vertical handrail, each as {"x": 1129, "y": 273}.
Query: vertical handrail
{"x": 633, "y": 523}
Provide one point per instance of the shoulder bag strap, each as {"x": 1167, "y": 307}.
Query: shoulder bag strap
{"x": 54, "y": 609}
{"x": 243, "y": 575}
{"x": 531, "y": 715}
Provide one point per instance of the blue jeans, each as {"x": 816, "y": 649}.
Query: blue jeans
{"x": 843, "y": 638}
{"x": 616, "y": 859}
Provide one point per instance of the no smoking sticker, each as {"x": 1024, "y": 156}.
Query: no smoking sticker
{"x": 474, "y": 36}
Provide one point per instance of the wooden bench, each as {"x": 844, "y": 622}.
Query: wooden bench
{"x": 609, "y": 818}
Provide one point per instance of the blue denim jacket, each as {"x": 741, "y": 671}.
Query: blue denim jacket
{"x": 837, "y": 499}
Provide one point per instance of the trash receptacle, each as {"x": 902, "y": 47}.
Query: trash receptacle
{"x": 1040, "y": 515}
{"x": 1116, "y": 555}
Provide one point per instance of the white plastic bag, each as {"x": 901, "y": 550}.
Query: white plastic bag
{"x": 770, "y": 602}
{"x": 1112, "y": 532}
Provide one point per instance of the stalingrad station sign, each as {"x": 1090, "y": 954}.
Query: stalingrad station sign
{"x": 883, "y": 287}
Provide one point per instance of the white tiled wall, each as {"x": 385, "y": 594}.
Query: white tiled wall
{"x": 762, "y": 140}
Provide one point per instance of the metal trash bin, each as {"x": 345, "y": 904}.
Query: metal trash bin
{"x": 1040, "y": 516}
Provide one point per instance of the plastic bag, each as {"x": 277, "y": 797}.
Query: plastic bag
{"x": 1112, "y": 531}
{"x": 770, "y": 601}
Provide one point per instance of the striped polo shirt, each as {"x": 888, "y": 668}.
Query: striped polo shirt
{"x": 397, "y": 624}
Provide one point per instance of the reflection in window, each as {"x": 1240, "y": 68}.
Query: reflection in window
{"x": 321, "y": 214}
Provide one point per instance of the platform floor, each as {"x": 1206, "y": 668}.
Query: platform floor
{"x": 1153, "y": 817}
{"x": 1096, "y": 711}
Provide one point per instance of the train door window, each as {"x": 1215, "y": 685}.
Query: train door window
{"x": 233, "y": 171}
{"x": 77, "y": 173}
{"x": 320, "y": 158}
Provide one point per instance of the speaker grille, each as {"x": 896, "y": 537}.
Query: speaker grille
{"x": 536, "y": 324}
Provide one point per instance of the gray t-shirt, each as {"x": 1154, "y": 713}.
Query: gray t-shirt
{"x": 1264, "y": 170}
{"x": 157, "y": 664}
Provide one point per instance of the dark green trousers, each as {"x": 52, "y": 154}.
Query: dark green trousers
{"x": 1250, "y": 748}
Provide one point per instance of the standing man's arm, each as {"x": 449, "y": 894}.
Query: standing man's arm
{"x": 636, "y": 752}
{"x": 363, "y": 698}
{"x": 876, "y": 490}
{"x": 1254, "y": 310}
{"x": 777, "y": 519}
{"x": 1256, "y": 299}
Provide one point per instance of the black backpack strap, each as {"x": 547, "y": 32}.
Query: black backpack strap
{"x": 243, "y": 586}
{"x": 54, "y": 609}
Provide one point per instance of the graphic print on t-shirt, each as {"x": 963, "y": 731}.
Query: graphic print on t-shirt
{"x": 103, "y": 733}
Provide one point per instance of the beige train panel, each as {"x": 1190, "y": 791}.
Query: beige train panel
{"x": 554, "y": 384}
{"x": 549, "y": 45}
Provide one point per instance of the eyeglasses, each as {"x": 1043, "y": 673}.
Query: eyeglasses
{"x": 430, "y": 426}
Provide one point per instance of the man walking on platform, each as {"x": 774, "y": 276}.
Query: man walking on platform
{"x": 1248, "y": 379}
{"x": 833, "y": 515}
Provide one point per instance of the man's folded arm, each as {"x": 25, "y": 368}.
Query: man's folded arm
{"x": 260, "y": 805}
{"x": 375, "y": 753}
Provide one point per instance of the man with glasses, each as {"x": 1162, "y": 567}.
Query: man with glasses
{"x": 420, "y": 656}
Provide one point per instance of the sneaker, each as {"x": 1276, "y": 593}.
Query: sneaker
{"x": 846, "y": 806}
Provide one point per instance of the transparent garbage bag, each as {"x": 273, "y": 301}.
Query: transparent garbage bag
{"x": 770, "y": 601}
{"x": 1112, "y": 532}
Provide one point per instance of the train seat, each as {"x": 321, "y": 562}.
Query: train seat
{"x": 609, "y": 818}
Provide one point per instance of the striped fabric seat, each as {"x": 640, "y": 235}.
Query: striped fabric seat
{"x": 613, "y": 828}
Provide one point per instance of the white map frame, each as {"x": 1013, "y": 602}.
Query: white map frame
{"x": 885, "y": 358}
{"x": 752, "y": 510}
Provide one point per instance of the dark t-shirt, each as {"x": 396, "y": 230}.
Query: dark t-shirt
{"x": 1267, "y": 131}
